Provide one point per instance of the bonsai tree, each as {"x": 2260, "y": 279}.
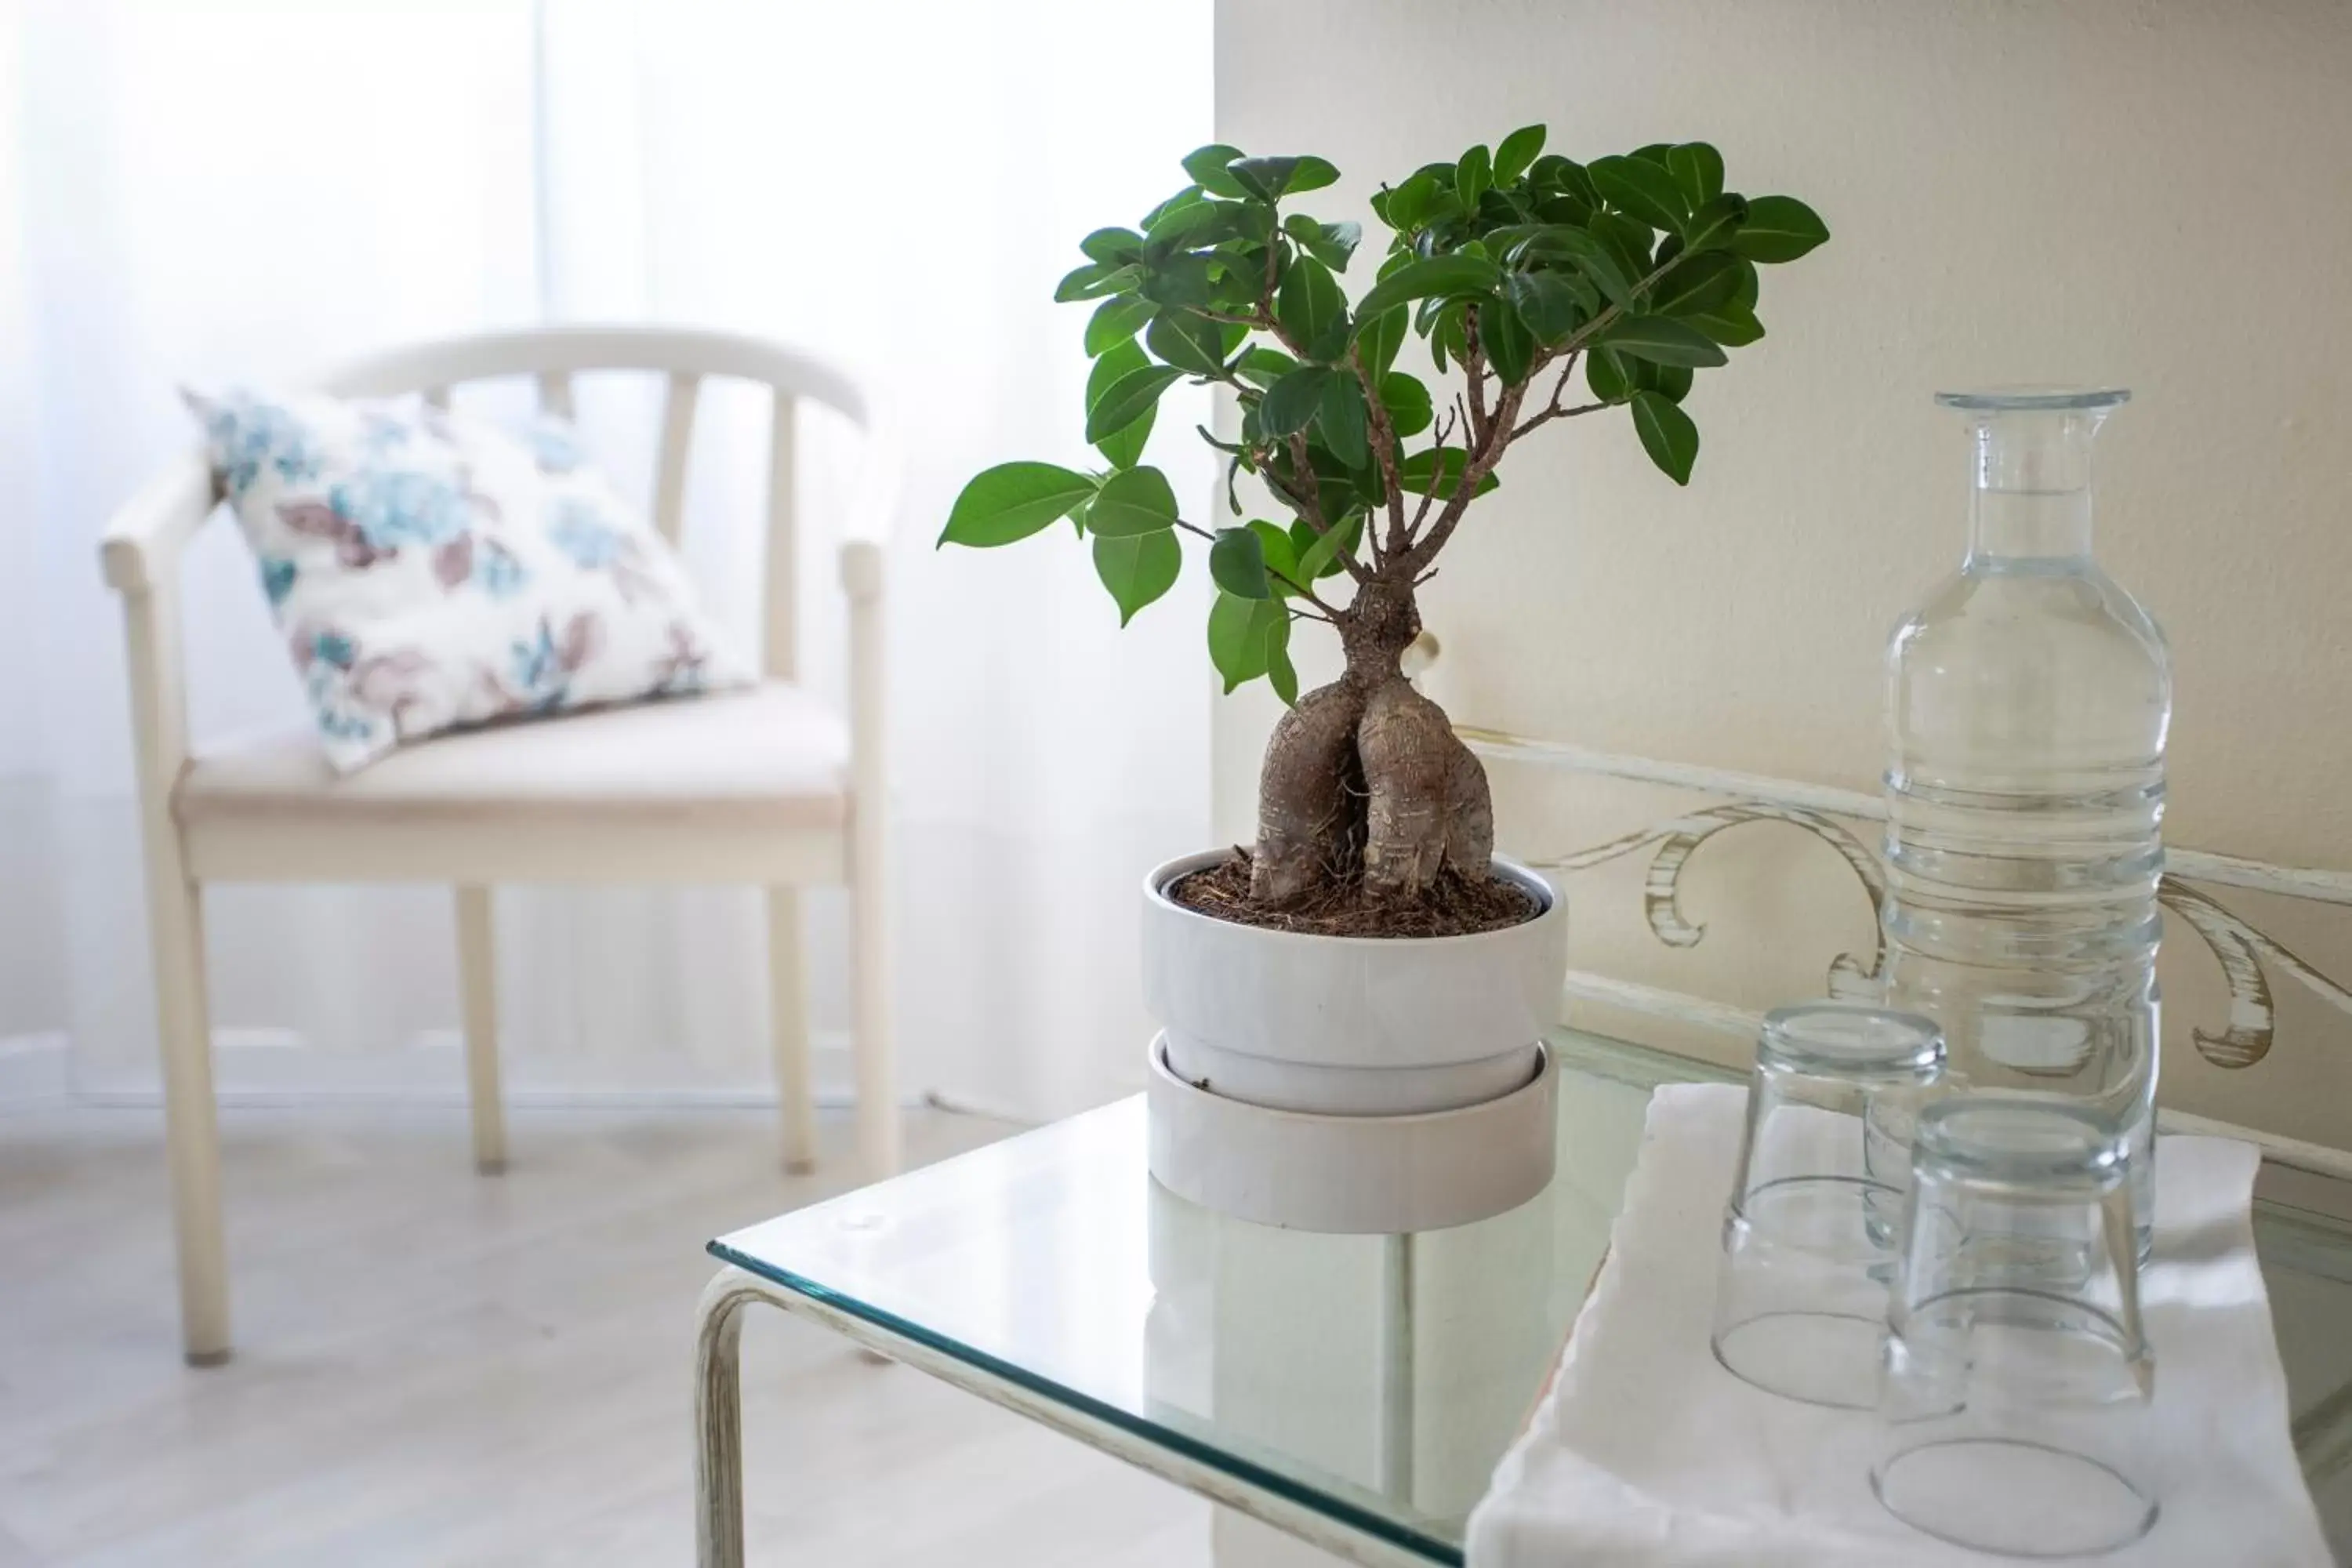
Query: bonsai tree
{"x": 1519, "y": 270}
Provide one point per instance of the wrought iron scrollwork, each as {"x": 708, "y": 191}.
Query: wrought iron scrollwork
{"x": 2247, "y": 956}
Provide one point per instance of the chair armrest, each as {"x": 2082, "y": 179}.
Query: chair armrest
{"x": 142, "y": 541}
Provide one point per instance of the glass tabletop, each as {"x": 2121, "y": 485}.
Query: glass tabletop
{"x": 1374, "y": 1380}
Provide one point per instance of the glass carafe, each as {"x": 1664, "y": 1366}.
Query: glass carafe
{"x": 2027, "y": 702}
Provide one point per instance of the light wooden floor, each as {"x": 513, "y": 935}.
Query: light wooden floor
{"x": 437, "y": 1368}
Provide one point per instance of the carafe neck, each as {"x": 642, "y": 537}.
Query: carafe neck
{"x": 2031, "y": 499}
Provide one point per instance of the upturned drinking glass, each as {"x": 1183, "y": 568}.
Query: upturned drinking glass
{"x": 2027, "y": 705}
{"x": 1810, "y": 1233}
{"x": 2018, "y": 1379}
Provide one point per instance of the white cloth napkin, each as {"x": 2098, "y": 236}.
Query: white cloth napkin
{"x": 1646, "y": 1453}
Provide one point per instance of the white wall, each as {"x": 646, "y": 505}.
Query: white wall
{"x": 2153, "y": 195}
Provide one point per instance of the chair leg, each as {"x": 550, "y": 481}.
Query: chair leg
{"x": 190, "y": 1128}
{"x": 788, "y": 1029}
{"x": 870, "y": 963}
{"x": 477, "y": 981}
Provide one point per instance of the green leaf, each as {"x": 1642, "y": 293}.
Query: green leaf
{"x": 1378, "y": 339}
{"x": 1243, "y": 636}
{"x": 1312, "y": 309}
{"x": 1407, "y": 401}
{"x": 1280, "y": 673}
{"x": 1132, "y": 502}
{"x": 1126, "y": 400}
{"x": 1095, "y": 279}
{"x": 1186, "y": 279}
{"x": 1207, "y": 165}
{"x": 1323, "y": 554}
{"x": 1577, "y": 181}
{"x": 1596, "y": 261}
{"x": 1272, "y": 178}
{"x": 1189, "y": 196}
{"x": 1663, "y": 340}
{"x": 1515, "y": 151}
{"x": 1697, "y": 283}
{"x": 1342, "y": 418}
{"x": 1745, "y": 292}
{"x": 1472, "y": 175}
{"x": 1138, "y": 568}
{"x": 1641, "y": 190}
{"x": 1409, "y": 204}
{"x": 1778, "y": 228}
{"x": 1330, "y": 243}
{"x": 1192, "y": 343}
{"x": 1734, "y": 326}
{"x": 1192, "y": 225}
{"x": 1238, "y": 563}
{"x": 1449, "y": 332}
{"x": 1114, "y": 322}
{"x": 1122, "y": 447}
{"x": 1698, "y": 170}
{"x": 1281, "y": 556}
{"x": 1548, "y": 303}
{"x": 1667, "y": 435}
{"x": 1510, "y": 347}
{"x": 1294, "y": 400}
{"x": 1012, "y": 501}
{"x": 1627, "y": 241}
{"x": 1671, "y": 380}
{"x": 1438, "y": 277}
{"x": 1438, "y": 472}
{"x": 1116, "y": 246}
{"x": 1716, "y": 223}
{"x": 1605, "y": 374}
{"x": 1262, "y": 366}
{"x": 1311, "y": 175}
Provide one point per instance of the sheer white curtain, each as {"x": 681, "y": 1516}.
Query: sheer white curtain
{"x": 204, "y": 191}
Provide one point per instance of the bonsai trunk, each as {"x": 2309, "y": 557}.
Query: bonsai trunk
{"x": 1364, "y": 780}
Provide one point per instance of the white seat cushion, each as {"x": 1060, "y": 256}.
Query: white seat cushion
{"x": 764, "y": 759}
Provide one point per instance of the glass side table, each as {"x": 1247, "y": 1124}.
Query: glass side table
{"x": 1353, "y": 1391}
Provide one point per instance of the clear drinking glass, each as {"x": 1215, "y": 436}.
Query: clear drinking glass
{"x": 2027, "y": 706}
{"x": 1809, "y": 1235}
{"x": 2018, "y": 1380}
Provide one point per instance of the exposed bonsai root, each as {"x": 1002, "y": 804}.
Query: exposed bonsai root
{"x": 1366, "y": 791}
{"x": 1309, "y": 812}
{"x": 1427, "y": 806}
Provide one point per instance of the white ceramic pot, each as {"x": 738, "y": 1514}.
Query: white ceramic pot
{"x": 1351, "y": 1026}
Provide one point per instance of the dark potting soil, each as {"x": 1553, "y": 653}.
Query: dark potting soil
{"x": 1457, "y": 906}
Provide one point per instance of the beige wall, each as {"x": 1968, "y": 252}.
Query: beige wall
{"x": 2157, "y": 194}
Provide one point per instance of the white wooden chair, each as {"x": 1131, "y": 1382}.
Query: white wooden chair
{"x": 766, "y": 786}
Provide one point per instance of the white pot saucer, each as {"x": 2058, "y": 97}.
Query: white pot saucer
{"x": 1353, "y": 1174}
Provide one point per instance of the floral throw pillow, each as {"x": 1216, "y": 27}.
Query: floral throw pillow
{"x": 430, "y": 571}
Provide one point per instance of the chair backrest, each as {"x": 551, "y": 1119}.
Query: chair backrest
{"x": 552, "y": 355}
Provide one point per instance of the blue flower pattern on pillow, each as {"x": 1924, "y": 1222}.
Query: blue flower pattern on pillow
{"x": 538, "y": 673}
{"x": 579, "y": 530}
{"x": 278, "y": 576}
{"x": 248, "y": 436}
{"x": 496, "y": 572}
{"x": 392, "y": 507}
